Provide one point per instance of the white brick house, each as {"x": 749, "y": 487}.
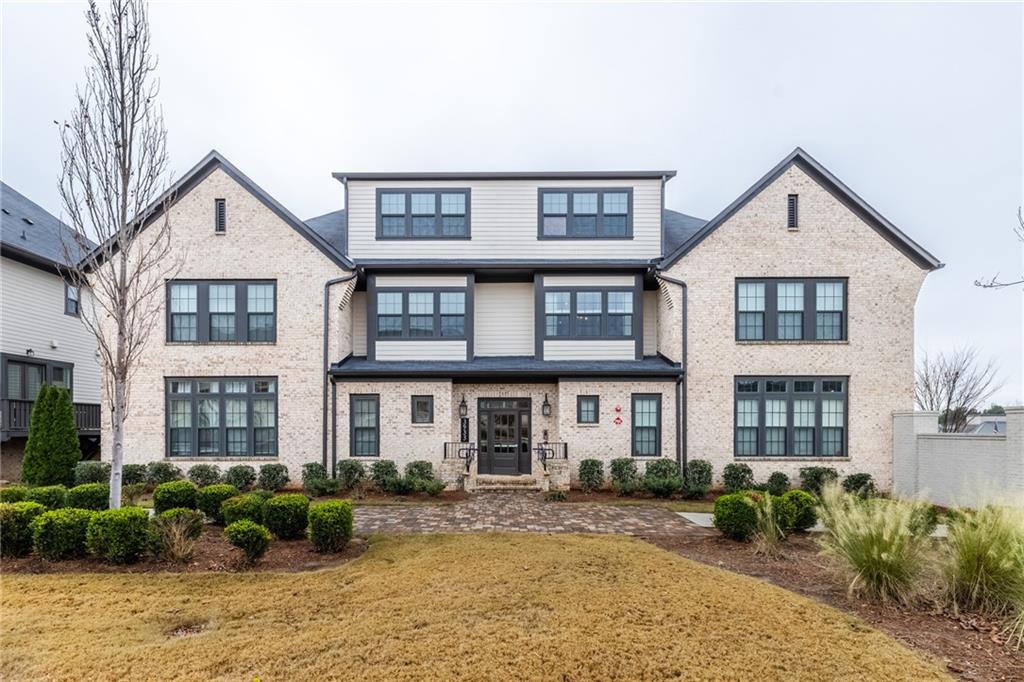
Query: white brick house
{"x": 531, "y": 320}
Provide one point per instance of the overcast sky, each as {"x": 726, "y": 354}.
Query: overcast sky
{"x": 917, "y": 107}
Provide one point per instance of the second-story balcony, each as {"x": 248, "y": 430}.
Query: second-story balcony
{"x": 17, "y": 416}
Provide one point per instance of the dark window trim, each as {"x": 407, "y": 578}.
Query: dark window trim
{"x": 194, "y": 397}
{"x": 352, "y": 398}
{"x": 790, "y": 395}
{"x": 430, "y": 404}
{"x": 632, "y": 424}
{"x": 599, "y": 228}
{"x": 220, "y": 216}
{"x": 77, "y": 311}
{"x": 438, "y": 212}
{"x": 792, "y": 211}
{"x": 573, "y": 291}
{"x": 47, "y": 366}
{"x": 436, "y": 332}
{"x": 203, "y": 311}
{"x": 771, "y": 312}
{"x": 579, "y": 409}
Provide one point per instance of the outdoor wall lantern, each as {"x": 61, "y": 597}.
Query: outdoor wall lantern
{"x": 545, "y": 409}
{"x": 463, "y": 407}
{"x": 29, "y": 352}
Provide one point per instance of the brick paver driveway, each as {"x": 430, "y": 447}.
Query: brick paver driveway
{"x": 520, "y": 511}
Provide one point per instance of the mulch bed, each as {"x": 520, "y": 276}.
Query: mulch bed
{"x": 969, "y": 645}
{"x": 212, "y": 553}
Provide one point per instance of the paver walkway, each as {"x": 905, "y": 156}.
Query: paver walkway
{"x": 520, "y": 511}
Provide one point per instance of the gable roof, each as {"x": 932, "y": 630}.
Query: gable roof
{"x": 798, "y": 157}
{"x": 31, "y": 234}
{"x": 333, "y": 228}
{"x": 212, "y": 162}
{"x": 677, "y": 227}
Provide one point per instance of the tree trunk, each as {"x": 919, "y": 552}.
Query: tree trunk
{"x": 117, "y": 452}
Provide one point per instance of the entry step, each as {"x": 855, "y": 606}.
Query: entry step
{"x": 491, "y": 482}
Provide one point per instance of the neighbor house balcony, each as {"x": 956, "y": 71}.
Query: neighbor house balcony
{"x": 17, "y": 414}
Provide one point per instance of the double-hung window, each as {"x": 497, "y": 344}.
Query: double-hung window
{"x": 222, "y": 416}
{"x": 221, "y": 312}
{"x": 646, "y": 424}
{"x": 587, "y": 409}
{"x": 584, "y": 314}
{"x": 71, "y": 305}
{"x": 421, "y": 314}
{"x": 790, "y": 310}
{"x": 423, "y": 213}
{"x": 791, "y": 416}
{"x": 591, "y": 213}
{"x": 365, "y": 425}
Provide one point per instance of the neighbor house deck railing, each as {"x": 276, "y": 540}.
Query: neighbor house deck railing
{"x": 17, "y": 415}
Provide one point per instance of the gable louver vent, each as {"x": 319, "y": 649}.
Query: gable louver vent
{"x": 220, "y": 216}
{"x": 791, "y": 213}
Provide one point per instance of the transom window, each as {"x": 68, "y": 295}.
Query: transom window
{"x": 587, "y": 409}
{"x": 423, "y": 214}
{"x": 221, "y": 312}
{"x": 214, "y": 417}
{"x": 790, "y": 310}
{"x": 365, "y": 425}
{"x": 588, "y": 314}
{"x": 646, "y": 424}
{"x": 421, "y": 314}
{"x": 790, "y": 417}
{"x": 585, "y": 213}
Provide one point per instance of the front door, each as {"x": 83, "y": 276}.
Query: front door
{"x": 504, "y": 436}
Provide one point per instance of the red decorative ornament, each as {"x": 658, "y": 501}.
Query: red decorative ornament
{"x": 618, "y": 408}
{"x": 618, "y": 420}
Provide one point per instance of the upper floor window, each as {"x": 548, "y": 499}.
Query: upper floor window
{"x": 790, "y": 416}
{"x": 221, "y": 312}
{"x": 423, "y": 214}
{"x": 790, "y": 310}
{"x": 23, "y": 377}
{"x": 421, "y": 314}
{"x": 214, "y": 416}
{"x": 585, "y": 213}
{"x": 588, "y": 314}
{"x": 71, "y": 305}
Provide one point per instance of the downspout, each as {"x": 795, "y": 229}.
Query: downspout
{"x": 327, "y": 326}
{"x": 681, "y": 384}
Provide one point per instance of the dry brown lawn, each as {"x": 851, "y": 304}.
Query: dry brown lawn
{"x": 494, "y": 606}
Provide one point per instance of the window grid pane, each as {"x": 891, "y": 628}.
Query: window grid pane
{"x": 392, "y": 204}
{"x": 616, "y": 203}
{"x": 260, "y": 298}
{"x": 556, "y": 203}
{"x": 829, "y": 296}
{"x": 751, "y": 296}
{"x": 584, "y": 203}
{"x": 453, "y": 204}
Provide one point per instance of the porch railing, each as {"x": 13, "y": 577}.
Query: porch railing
{"x": 459, "y": 450}
{"x": 16, "y": 415}
{"x": 548, "y": 451}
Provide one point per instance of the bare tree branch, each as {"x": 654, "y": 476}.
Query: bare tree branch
{"x": 955, "y": 386}
{"x": 993, "y": 282}
{"x": 113, "y": 183}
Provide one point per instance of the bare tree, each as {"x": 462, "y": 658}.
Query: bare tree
{"x": 954, "y": 385}
{"x": 113, "y": 180}
{"x": 994, "y": 283}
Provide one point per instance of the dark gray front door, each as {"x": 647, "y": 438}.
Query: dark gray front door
{"x": 504, "y": 436}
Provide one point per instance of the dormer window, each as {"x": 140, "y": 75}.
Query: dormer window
{"x": 423, "y": 214}
{"x": 592, "y": 213}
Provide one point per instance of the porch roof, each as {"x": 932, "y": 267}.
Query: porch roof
{"x": 515, "y": 368}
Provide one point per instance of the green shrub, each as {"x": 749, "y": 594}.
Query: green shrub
{"x": 983, "y": 560}
{"x": 273, "y": 477}
{"x": 53, "y": 497}
{"x": 874, "y": 543}
{"x": 772, "y": 517}
{"x": 286, "y": 515}
{"x": 13, "y": 493}
{"x": 313, "y": 471}
{"x": 204, "y": 474}
{"x": 399, "y": 485}
{"x": 131, "y": 493}
{"x": 92, "y": 471}
{"x": 433, "y": 487}
{"x": 924, "y": 519}
{"x": 242, "y": 476}
{"x": 861, "y": 485}
{"x": 591, "y": 475}
{"x": 556, "y": 496}
{"x": 248, "y": 506}
{"x": 330, "y": 525}
{"x": 813, "y": 479}
{"x": 132, "y": 474}
{"x": 351, "y": 473}
{"x": 318, "y": 487}
{"x": 16, "y": 527}
{"x": 662, "y": 468}
{"x": 663, "y": 487}
{"x": 624, "y": 475}
{"x": 175, "y": 532}
{"x": 60, "y": 534}
{"x": 804, "y": 508}
{"x": 262, "y": 494}
{"x": 250, "y": 537}
{"x": 118, "y": 536}
{"x": 420, "y": 469}
{"x": 158, "y": 473}
{"x": 735, "y": 517}
{"x": 94, "y": 496}
{"x": 699, "y": 477}
{"x": 382, "y": 471}
{"x": 52, "y": 448}
{"x": 737, "y": 476}
{"x": 210, "y": 498}
{"x": 174, "y": 494}
{"x": 778, "y": 483}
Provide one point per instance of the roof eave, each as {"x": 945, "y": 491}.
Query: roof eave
{"x": 345, "y": 177}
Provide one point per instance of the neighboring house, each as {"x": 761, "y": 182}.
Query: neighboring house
{"x": 43, "y": 339}
{"x": 531, "y": 320}
{"x": 986, "y": 424}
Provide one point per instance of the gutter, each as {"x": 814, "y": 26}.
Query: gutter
{"x": 327, "y": 326}
{"x": 682, "y": 392}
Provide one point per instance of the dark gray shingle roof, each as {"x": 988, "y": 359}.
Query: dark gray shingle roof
{"x": 512, "y": 366}
{"x": 678, "y": 227}
{"x": 28, "y": 228}
{"x": 332, "y": 227}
